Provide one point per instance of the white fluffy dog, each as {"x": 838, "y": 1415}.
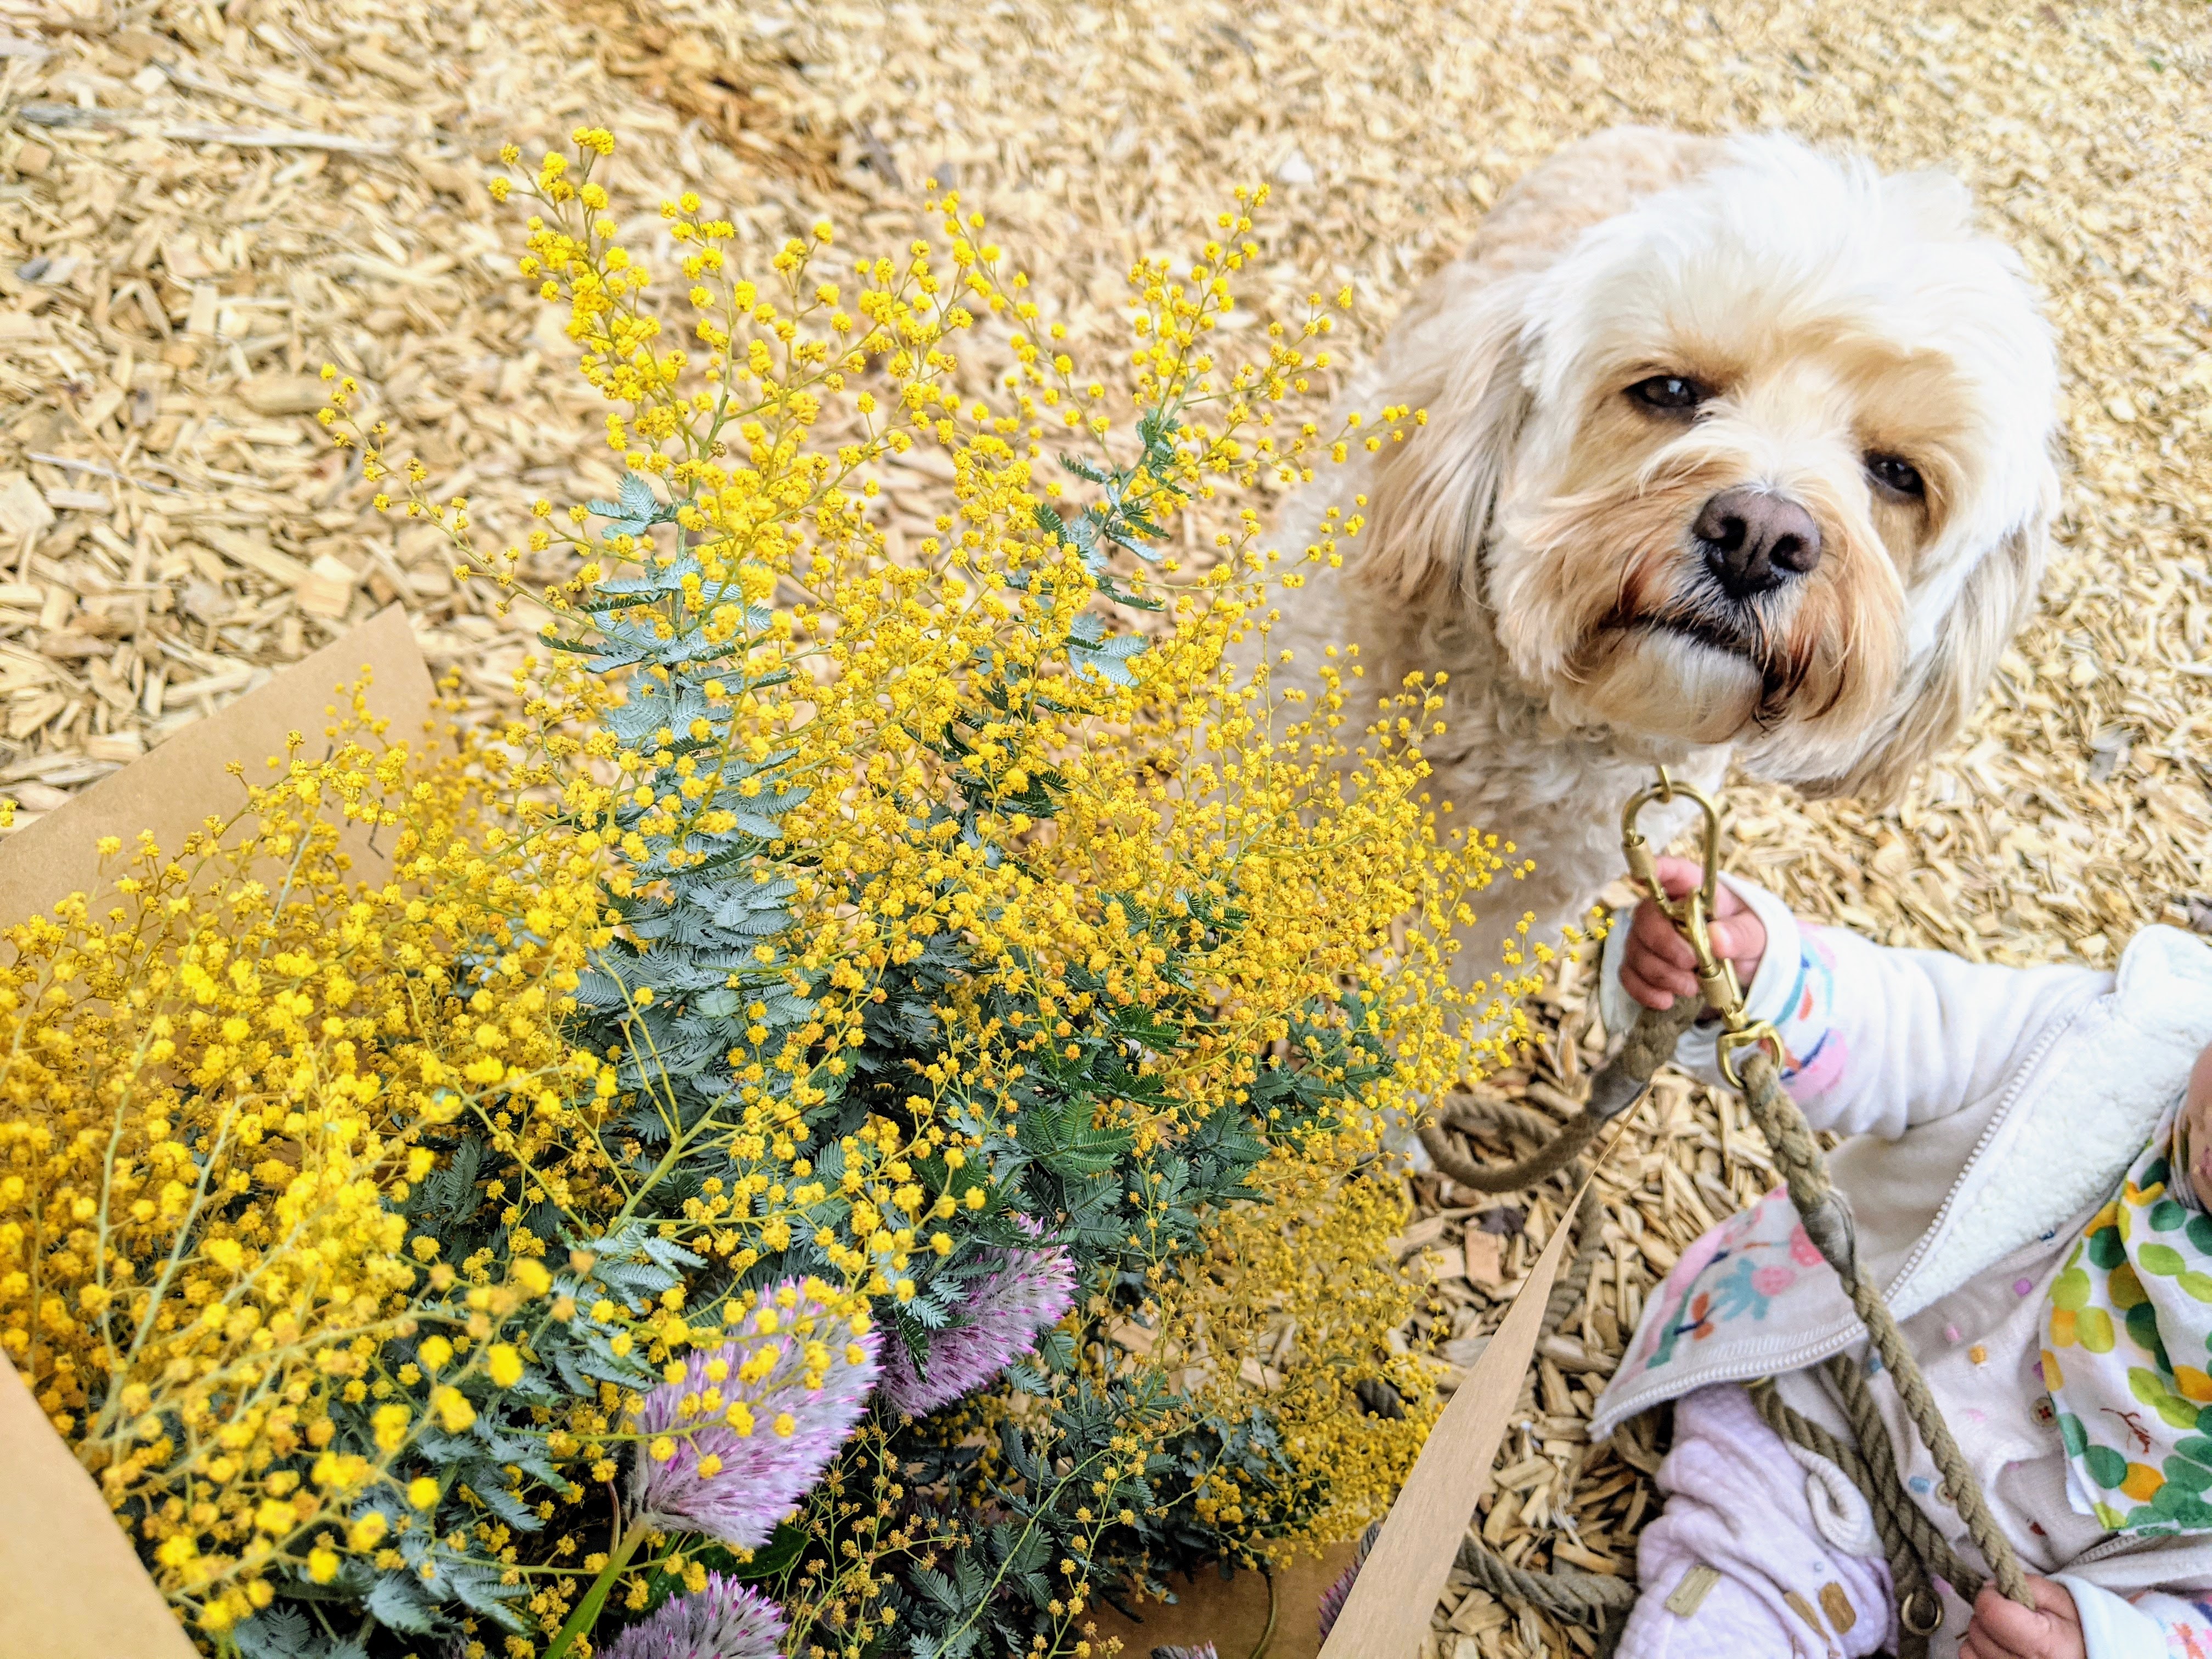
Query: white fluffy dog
{"x": 1733, "y": 451}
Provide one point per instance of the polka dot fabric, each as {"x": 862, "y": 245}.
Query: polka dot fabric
{"x": 2128, "y": 1355}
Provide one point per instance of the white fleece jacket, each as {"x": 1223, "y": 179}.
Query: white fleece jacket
{"x": 1993, "y": 1110}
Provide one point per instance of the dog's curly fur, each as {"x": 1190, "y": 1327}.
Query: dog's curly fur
{"x": 1533, "y": 538}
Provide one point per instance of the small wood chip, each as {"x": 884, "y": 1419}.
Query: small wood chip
{"x": 253, "y": 553}
{"x": 1485, "y": 1255}
{"x": 284, "y": 394}
{"x": 327, "y": 589}
{"x": 23, "y": 511}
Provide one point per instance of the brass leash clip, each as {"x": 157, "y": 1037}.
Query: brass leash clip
{"x": 1691, "y": 916}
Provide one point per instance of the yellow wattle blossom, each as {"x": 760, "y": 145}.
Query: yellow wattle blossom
{"x": 305, "y": 1170}
{"x": 1102, "y": 831}
{"x": 216, "y": 1092}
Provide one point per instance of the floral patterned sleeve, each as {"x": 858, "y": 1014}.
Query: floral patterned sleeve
{"x": 2186, "y": 1624}
{"x": 2143, "y": 1623}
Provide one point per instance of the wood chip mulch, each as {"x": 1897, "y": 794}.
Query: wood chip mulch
{"x": 202, "y": 202}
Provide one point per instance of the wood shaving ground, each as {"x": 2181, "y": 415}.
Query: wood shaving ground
{"x": 200, "y": 204}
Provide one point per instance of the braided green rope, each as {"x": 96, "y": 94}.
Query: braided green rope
{"x": 1615, "y": 1088}
{"x": 1804, "y": 1170}
{"x": 1914, "y": 1549}
{"x": 1587, "y": 1598}
{"x": 1910, "y": 1541}
{"x": 1591, "y": 1598}
{"x": 1849, "y": 1379}
{"x": 1588, "y": 1220}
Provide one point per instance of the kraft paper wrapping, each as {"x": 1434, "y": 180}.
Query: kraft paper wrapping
{"x": 1389, "y": 1610}
{"x": 71, "y": 1587}
{"x": 184, "y": 781}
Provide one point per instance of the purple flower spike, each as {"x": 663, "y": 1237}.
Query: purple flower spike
{"x": 1333, "y": 1598}
{"x": 1026, "y": 1292}
{"x": 754, "y": 1422}
{"x": 725, "y": 1620}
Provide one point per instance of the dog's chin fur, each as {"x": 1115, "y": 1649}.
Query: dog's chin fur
{"x": 1533, "y": 538}
{"x": 1674, "y": 686}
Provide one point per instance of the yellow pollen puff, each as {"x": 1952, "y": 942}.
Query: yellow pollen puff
{"x": 454, "y": 1413}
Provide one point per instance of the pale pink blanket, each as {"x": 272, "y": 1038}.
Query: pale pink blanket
{"x": 1740, "y": 1527}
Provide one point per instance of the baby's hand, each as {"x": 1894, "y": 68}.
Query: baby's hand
{"x": 2003, "y": 1629}
{"x": 1656, "y": 966}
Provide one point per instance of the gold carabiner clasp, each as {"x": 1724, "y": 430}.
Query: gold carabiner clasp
{"x": 1751, "y": 1034}
{"x": 1693, "y": 911}
{"x": 1643, "y": 867}
{"x": 1691, "y": 916}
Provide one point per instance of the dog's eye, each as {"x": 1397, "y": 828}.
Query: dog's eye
{"x": 1670, "y": 393}
{"x": 1895, "y": 473}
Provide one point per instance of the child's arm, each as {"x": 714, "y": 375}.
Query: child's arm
{"x": 2076, "y": 1619}
{"x": 1877, "y": 1039}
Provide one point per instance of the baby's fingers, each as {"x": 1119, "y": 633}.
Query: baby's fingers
{"x": 2002, "y": 1628}
{"x": 1650, "y": 975}
{"x": 1737, "y": 939}
{"x": 1651, "y": 933}
{"x": 1644, "y": 991}
{"x": 1680, "y": 876}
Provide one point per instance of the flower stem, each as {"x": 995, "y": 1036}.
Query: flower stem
{"x": 1273, "y": 1607}
{"x": 587, "y": 1610}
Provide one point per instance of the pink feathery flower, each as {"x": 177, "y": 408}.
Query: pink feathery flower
{"x": 730, "y": 1449}
{"x": 1025, "y": 1293}
{"x": 725, "y": 1620}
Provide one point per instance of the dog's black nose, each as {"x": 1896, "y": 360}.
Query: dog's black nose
{"x": 1755, "y": 540}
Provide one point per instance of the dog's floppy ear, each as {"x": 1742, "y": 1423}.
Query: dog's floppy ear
{"x": 1992, "y": 603}
{"x": 1430, "y": 497}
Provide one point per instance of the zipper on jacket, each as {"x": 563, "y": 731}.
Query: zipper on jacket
{"x": 2025, "y": 1076}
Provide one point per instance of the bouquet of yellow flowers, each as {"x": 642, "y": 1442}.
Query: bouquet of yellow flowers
{"x": 801, "y": 1153}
